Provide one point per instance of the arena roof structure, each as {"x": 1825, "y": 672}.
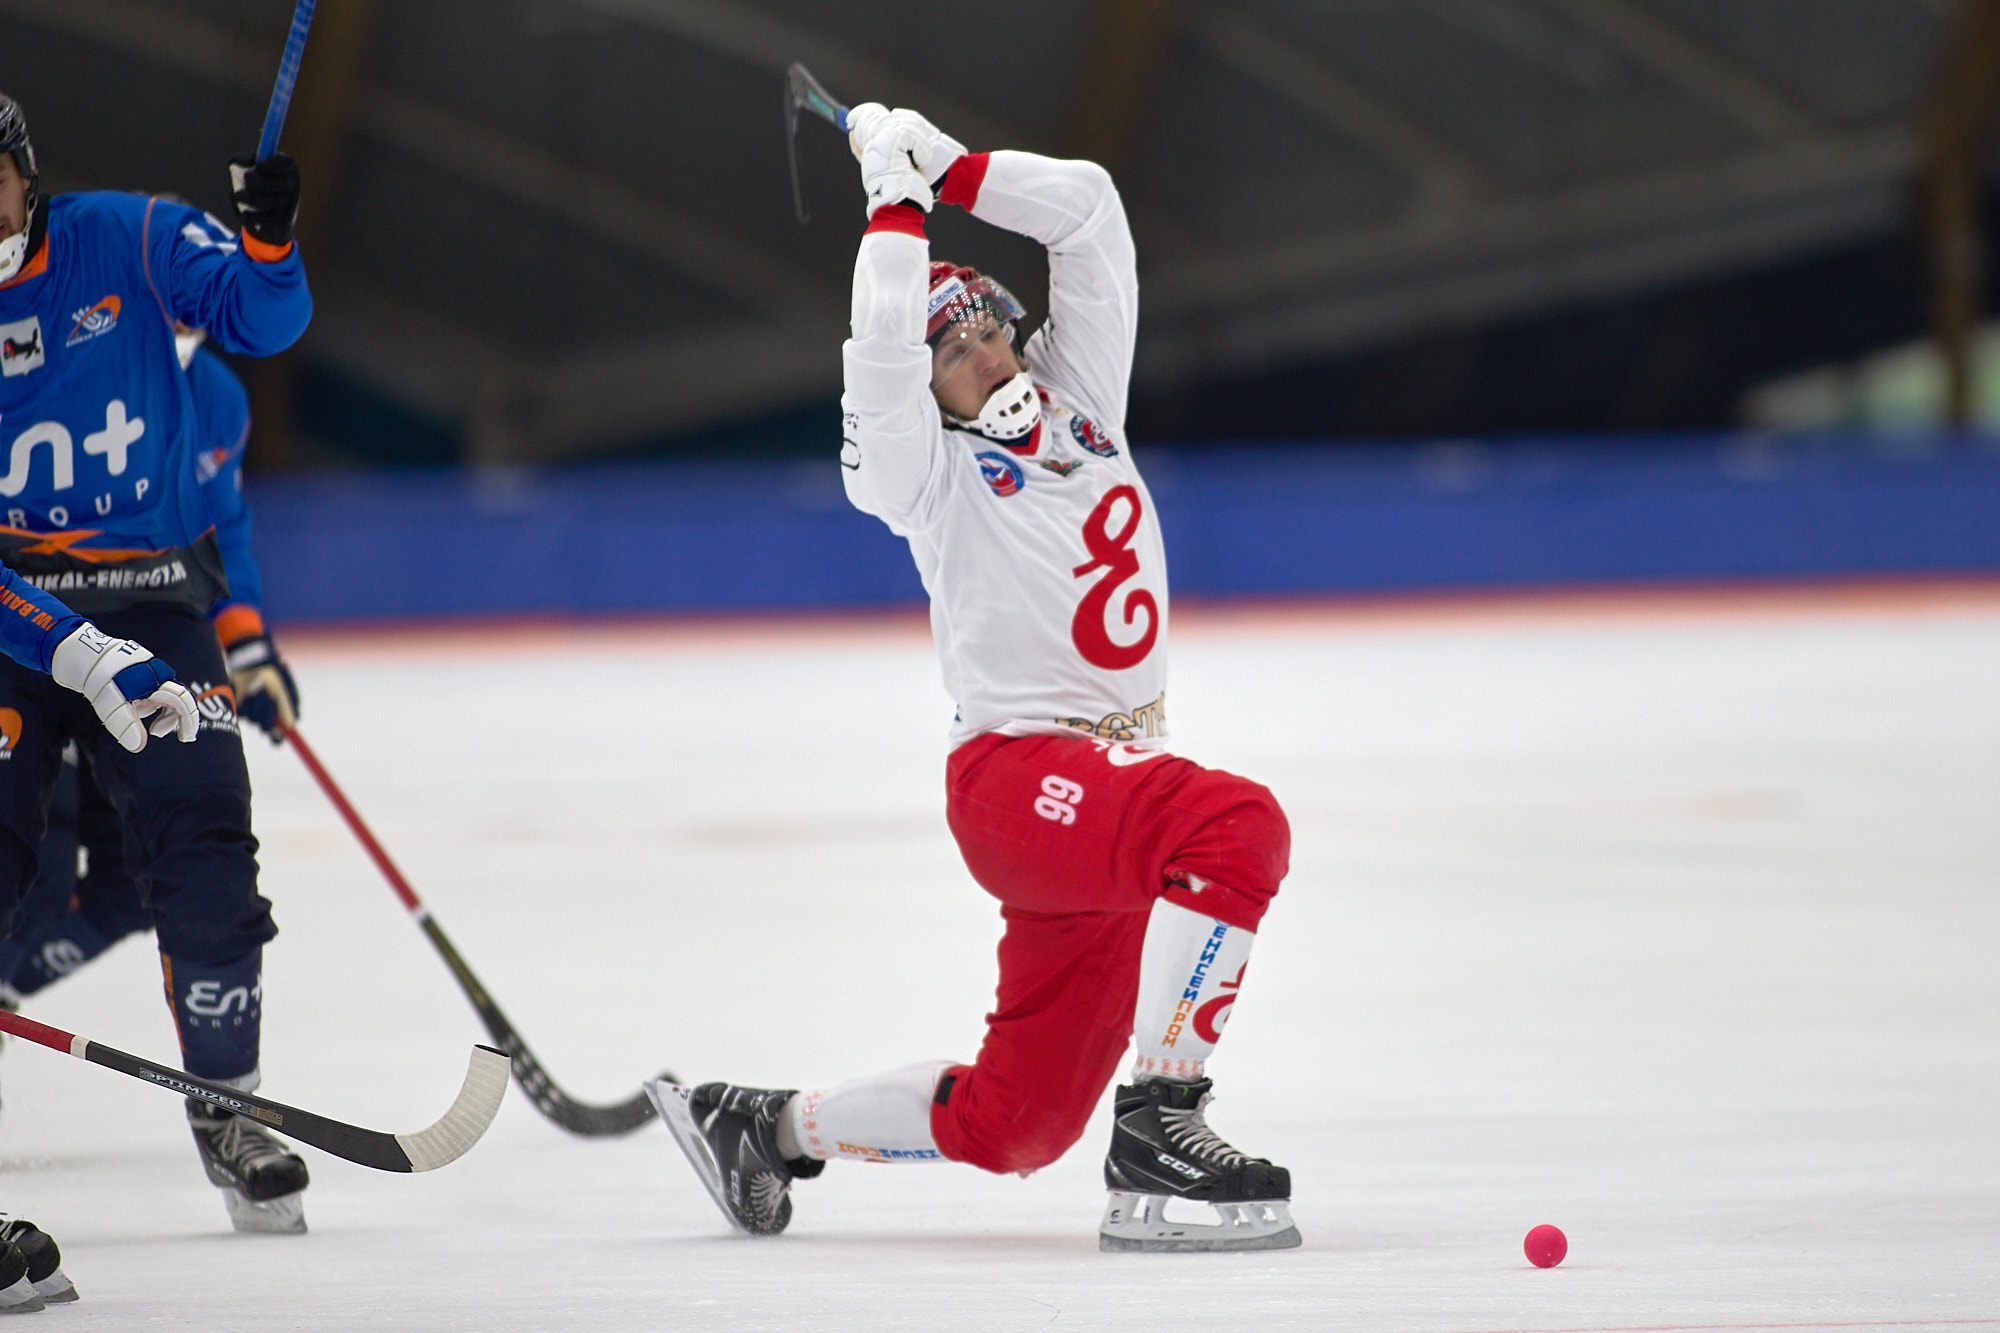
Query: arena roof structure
{"x": 566, "y": 224}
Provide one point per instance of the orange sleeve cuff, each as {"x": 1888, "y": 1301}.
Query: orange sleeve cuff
{"x": 263, "y": 253}
{"x": 234, "y": 624}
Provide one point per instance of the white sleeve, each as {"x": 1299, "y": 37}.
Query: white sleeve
{"x": 892, "y": 447}
{"x": 1084, "y": 350}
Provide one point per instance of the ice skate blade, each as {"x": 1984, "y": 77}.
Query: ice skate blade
{"x": 677, "y": 1115}
{"x": 1135, "y": 1223}
{"x": 282, "y": 1216}
{"x": 21, "y": 1298}
{"x": 57, "y": 1289}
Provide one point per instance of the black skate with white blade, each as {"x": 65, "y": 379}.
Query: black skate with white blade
{"x": 17, "y": 1293}
{"x": 262, "y": 1181}
{"x": 730, "y": 1136}
{"x": 40, "y": 1263}
{"x": 1162, "y": 1150}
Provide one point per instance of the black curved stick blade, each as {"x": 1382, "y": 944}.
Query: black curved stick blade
{"x": 804, "y": 93}
{"x": 803, "y": 90}
{"x": 792, "y": 143}
{"x": 582, "y": 1118}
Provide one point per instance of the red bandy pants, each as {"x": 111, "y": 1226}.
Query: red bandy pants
{"x": 1077, "y": 838}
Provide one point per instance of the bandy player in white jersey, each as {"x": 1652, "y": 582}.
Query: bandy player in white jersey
{"x": 1131, "y": 881}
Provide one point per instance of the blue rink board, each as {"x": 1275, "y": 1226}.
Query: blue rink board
{"x": 1239, "y": 520}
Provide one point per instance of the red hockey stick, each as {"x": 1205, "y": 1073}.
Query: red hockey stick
{"x": 573, "y": 1115}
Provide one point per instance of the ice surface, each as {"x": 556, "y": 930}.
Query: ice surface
{"x": 1678, "y": 930}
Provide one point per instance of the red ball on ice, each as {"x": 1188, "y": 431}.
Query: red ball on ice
{"x": 1546, "y": 1246}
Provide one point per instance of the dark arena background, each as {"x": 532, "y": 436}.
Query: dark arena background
{"x": 1575, "y": 427}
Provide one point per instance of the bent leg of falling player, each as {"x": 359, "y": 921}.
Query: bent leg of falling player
{"x": 1124, "y": 924}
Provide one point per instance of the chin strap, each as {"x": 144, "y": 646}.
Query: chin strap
{"x": 1011, "y": 411}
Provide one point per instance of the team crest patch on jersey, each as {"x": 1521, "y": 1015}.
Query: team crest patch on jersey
{"x": 1085, "y": 432}
{"x": 94, "y": 321}
{"x": 208, "y": 464}
{"x": 21, "y": 346}
{"x": 1002, "y": 473}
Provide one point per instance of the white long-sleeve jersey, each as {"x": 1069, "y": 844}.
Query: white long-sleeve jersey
{"x": 1043, "y": 561}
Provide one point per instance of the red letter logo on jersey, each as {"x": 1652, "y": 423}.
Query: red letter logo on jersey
{"x": 1112, "y": 552}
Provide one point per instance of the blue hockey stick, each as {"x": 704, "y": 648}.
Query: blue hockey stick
{"x": 288, "y": 74}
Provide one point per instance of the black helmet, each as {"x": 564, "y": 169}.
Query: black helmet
{"x": 14, "y": 137}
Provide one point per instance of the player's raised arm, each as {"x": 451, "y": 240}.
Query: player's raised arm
{"x": 1083, "y": 352}
{"x": 892, "y": 437}
{"x": 249, "y": 291}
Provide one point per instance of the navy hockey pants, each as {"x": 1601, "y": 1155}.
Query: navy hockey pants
{"x": 186, "y": 816}
{"x": 85, "y": 898}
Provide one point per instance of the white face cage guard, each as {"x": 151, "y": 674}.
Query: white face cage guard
{"x": 1010, "y": 413}
{"x": 13, "y": 250}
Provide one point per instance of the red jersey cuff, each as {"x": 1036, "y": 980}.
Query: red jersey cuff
{"x": 905, "y": 218}
{"x": 963, "y": 179}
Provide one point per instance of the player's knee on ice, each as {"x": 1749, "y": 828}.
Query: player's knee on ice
{"x": 1006, "y": 1128}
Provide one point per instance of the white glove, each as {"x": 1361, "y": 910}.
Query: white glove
{"x": 126, "y": 685}
{"x": 888, "y": 170}
{"x": 934, "y": 152}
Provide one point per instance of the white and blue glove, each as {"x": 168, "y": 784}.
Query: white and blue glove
{"x": 126, "y": 685}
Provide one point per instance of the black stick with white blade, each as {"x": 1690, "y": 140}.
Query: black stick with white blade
{"x": 461, "y": 1126}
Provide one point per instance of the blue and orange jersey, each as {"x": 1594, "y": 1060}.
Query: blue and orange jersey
{"x": 101, "y": 501}
{"x": 222, "y": 426}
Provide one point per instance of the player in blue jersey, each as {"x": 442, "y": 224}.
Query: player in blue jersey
{"x": 81, "y": 905}
{"x": 100, "y": 504}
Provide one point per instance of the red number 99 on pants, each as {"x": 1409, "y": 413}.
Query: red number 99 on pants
{"x": 1058, "y": 799}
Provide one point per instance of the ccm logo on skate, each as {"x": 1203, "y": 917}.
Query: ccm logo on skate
{"x": 1112, "y": 552}
{"x": 1057, "y": 802}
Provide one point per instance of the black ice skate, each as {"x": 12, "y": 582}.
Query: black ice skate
{"x": 41, "y": 1261}
{"x": 17, "y": 1293}
{"x": 730, "y": 1136}
{"x": 1162, "y": 1150}
{"x": 262, "y": 1182}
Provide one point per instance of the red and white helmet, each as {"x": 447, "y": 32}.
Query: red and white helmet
{"x": 959, "y": 295}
